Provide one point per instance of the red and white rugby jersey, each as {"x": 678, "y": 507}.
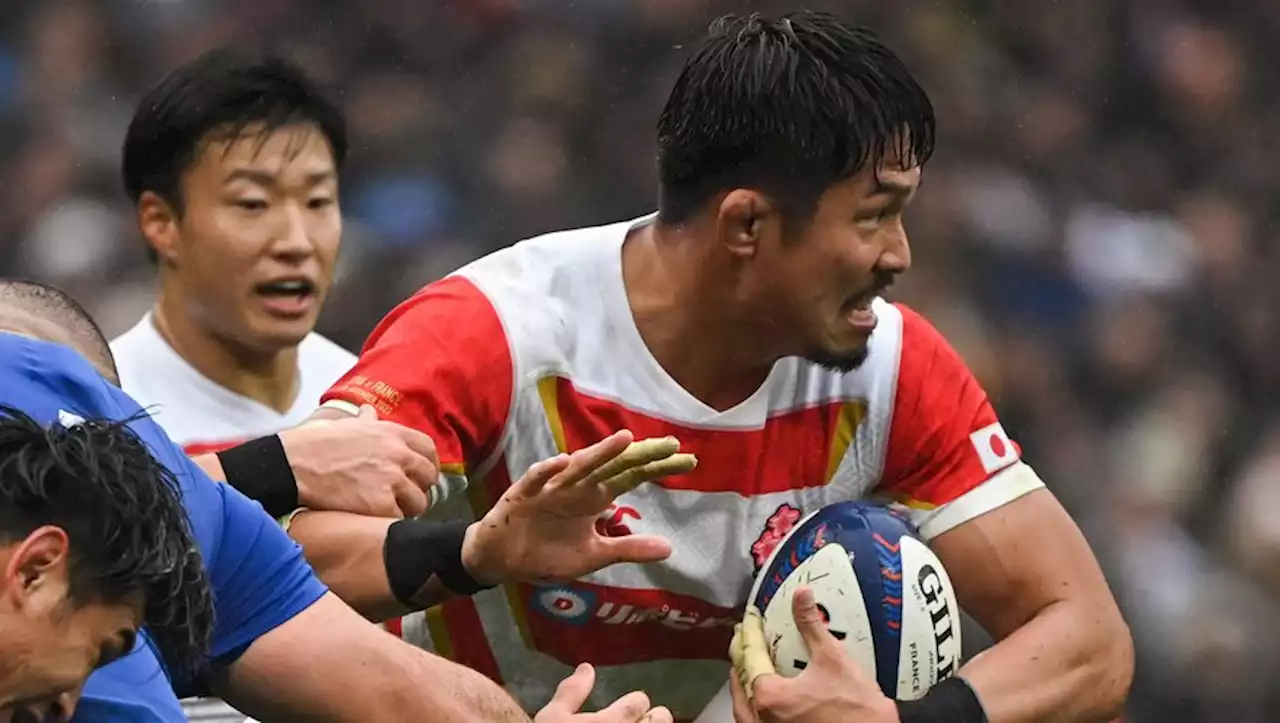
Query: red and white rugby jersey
{"x": 199, "y": 413}
{"x": 533, "y": 351}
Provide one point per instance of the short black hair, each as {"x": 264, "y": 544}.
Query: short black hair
{"x": 789, "y": 107}
{"x": 58, "y": 307}
{"x": 218, "y": 95}
{"x": 122, "y": 512}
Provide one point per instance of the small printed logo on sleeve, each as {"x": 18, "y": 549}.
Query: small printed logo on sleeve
{"x": 995, "y": 449}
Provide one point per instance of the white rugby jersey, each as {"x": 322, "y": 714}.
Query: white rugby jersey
{"x": 201, "y": 414}
{"x": 533, "y": 351}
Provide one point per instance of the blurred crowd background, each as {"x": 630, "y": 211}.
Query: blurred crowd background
{"x": 1096, "y": 233}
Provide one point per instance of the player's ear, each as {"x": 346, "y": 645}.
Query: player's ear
{"x": 37, "y": 568}
{"x": 745, "y": 220}
{"x": 158, "y": 222}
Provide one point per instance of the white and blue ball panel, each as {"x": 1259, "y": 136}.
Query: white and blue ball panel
{"x": 883, "y": 592}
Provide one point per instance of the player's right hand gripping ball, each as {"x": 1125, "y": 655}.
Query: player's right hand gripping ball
{"x": 882, "y": 591}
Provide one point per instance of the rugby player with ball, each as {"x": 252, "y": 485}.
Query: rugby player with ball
{"x": 744, "y": 318}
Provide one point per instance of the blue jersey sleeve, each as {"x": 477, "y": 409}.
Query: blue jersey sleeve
{"x": 260, "y": 578}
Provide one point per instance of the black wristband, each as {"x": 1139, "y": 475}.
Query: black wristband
{"x": 260, "y": 470}
{"x": 415, "y": 550}
{"x": 951, "y": 701}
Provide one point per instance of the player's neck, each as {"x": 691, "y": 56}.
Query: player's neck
{"x": 269, "y": 378}
{"x": 681, "y": 324}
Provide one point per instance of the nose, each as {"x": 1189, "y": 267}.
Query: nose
{"x": 292, "y": 241}
{"x": 896, "y": 255}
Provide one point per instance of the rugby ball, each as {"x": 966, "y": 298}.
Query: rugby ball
{"x": 884, "y": 594}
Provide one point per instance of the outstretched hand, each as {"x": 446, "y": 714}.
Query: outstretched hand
{"x": 544, "y": 526}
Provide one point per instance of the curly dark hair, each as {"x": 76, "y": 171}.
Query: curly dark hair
{"x": 122, "y": 512}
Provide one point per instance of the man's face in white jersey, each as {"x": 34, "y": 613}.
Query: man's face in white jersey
{"x": 252, "y": 253}
{"x": 813, "y": 281}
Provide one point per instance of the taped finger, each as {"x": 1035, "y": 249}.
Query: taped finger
{"x": 757, "y": 660}
{"x": 635, "y": 455}
{"x": 630, "y": 479}
{"x": 586, "y": 462}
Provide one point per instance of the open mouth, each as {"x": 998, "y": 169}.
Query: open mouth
{"x": 287, "y": 297}
{"x": 287, "y": 288}
{"x": 857, "y": 309}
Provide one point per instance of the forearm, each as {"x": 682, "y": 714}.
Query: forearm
{"x": 346, "y": 552}
{"x": 409, "y": 685}
{"x": 1070, "y": 663}
{"x": 372, "y": 677}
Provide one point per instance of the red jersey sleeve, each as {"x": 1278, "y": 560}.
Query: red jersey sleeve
{"x": 439, "y": 362}
{"x": 948, "y": 458}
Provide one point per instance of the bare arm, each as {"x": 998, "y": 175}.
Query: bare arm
{"x": 543, "y": 527}
{"x": 1027, "y": 575}
{"x": 345, "y": 550}
{"x": 328, "y": 664}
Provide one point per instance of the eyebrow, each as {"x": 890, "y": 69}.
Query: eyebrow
{"x": 267, "y": 178}
{"x": 892, "y": 187}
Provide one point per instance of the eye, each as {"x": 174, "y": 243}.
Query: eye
{"x": 251, "y": 204}
{"x": 871, "y": 219}
{"x": 874, "y": 218}
{"x": 321, "y": 202}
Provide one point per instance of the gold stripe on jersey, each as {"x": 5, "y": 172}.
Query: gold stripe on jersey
{"x": 851, "y": 415}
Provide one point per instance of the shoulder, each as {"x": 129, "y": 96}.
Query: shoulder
{"x": 203, "y": 498}
{"x": 547, "y": 291}
{"x": 322, "y": 349}
{"x": 443, "y": 346}
{"x": 526, "y": 295}
{"x": 137, "y": 341}
{"x": 929, "y": 367}
{"x": 43, "y": 378}
{"x": 323, "y": 358}
{"x": 145, "y": 362}
{"x": 449, "y": 317}
{"x": 946, "y": 439}
{"x": 141, "y": 333}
